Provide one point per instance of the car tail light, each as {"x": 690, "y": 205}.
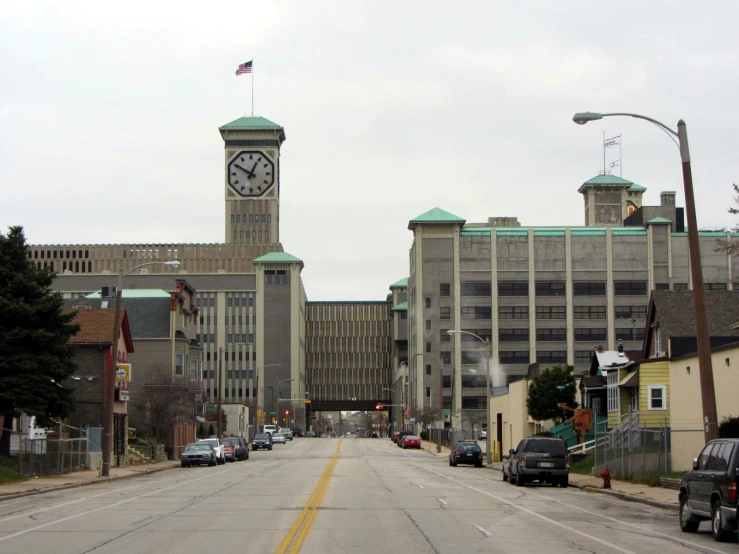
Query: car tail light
{"x": 523, "y": 458}
{"x": 457, "y": 453}
{"x": 732, "y": 490}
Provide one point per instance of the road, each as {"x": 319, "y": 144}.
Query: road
{"x": 330, "y": 495}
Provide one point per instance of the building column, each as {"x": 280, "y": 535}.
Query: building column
{"x": 610, "y": 310}
{"x": 532, "y": 297}
{"x": 570, "y": 318}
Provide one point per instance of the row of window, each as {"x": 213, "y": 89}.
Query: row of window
{"x": 255, "y": 235}
{"x": 253, "y": 218}
{"x": 231, "y": 337}
{"x": 49, "y": 254}
{"x": 206, "y": 320}
{"x": 554, "y": 312}
{"x": 231, "y": 301}
{"x": 516, "y": 357}
{"x": 230, "y": 374}
{"x": 233, "y": 392}
{"x": 545, "y": 335}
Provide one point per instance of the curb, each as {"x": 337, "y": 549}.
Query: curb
{"x": 620, "y": 495}
{"x": 33, "y": 492}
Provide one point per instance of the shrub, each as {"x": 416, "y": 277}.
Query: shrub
{"x": 729, "y": 428}
{"x": 424, "y": 435}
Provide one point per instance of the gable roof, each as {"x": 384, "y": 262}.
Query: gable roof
{"x": 278, "y": 257}
{"x": 402, "y": 307}
{"x": 251, "y": 122}
{"x": 659, "y": 220}
{"x": 401, "y": 283}
{"x": 148, "y": 318}
{"x": 608, "y": 359}
{"x": 96, "y": 327}
{"x": 673, "y": 310}
{"x": 611, "y": 181}
{"x": 436, "y": 215}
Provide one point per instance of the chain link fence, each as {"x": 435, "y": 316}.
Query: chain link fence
{"x": 64, "y": 451}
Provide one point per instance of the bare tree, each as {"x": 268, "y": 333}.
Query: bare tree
{"x": 163, "y": 404}
{"x": 426, "y": 415}
{"x": 731, "y": 247}
{"x": 472, "y": 418}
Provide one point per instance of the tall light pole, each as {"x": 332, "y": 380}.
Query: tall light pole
{"x": 109, "y": 396}
{"x": 705, "y": 367}
{"x": 441, "y": 392}
{"x": 488, "y": 453}
{"x": 256, "y": 399}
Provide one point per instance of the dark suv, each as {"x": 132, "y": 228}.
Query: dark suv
{"x": 709, "y": 490}
{"x": 540, "y": 459}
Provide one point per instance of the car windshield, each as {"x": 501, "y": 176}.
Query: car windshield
{"x": 411, "y": 438}
{"x": 226, "y": 442}
{"x": 212, "y": 442}
{"x": 555, "y": 448}
{"x": 468, "y": 447}
{"x": 277, "y": 435}
{"x": 263, "y": 436}
{"x": 196, "y": 447}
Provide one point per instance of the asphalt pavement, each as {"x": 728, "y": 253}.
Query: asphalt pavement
{"x": 337, "y": 495}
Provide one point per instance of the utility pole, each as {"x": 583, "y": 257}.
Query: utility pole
{"x": 220, "y": 391}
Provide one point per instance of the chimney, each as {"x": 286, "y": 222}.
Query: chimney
{"x": 667, "y": 199}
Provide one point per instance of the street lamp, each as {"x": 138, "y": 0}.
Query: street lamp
{"x": 705, "y": 368}
{"x": 256, "y": 400}
{"x": 488, "y": 453}
{"x": 441, "y": 392}
{"x": 109, "y": 396}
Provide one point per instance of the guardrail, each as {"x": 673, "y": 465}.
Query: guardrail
{"x": 586, "y": 447}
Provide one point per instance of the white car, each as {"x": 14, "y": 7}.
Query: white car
{"x": 287, "y": 432}
{"x": 218, "y": 449}
{"x": 483, "y": 435}
{"x": 278, "y": 438}
{"x": 270, "y": 429}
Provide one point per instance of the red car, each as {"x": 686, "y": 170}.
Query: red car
{"x": 411, "y": 441}
{"x": 229, "y": 450}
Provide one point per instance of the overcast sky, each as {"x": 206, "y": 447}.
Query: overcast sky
{"x": 109, "y": 115}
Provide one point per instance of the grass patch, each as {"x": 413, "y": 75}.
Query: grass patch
{"x": 584, "y": 466}
{"x": 7, "y": 473}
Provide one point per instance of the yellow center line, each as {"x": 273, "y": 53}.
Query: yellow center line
{"x": 303, "y": 524}
{"x": 338, "y": 446}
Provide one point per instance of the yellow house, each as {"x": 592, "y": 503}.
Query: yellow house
{"x": 509, "y": 417}
{"x": 686, "y": 421}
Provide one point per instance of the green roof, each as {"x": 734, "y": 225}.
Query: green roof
{"x": 401, "y": 283}
{"x": 628, "y": 232}
{"x": 252, "y": 122}
{"x": 402, "y": 307}
{"x": 278, "y": 257}
{"x": 637, "y": 188}
{"x": 607, "y": 180}
{"x": 437, "y": 215}
{"x": 658, "y": 220}
{"x": 137, "y": 293}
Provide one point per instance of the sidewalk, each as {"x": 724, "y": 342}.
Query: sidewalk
{"x": 36, "y": 485}
{"x": 430, "y": 447}
{"x": 633, "y": 492}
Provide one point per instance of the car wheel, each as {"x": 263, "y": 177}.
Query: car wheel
{"x": 247, "y": 456}
{"x": 183, "y": 464}
{"x": 520, "y": 480}
{"x": 211, "y": 463}
{"x": 687, "y": 523}
{"x": 564, "y": 482}
{"x": 717, "y": 520}
{"x": 505, "y": 477}
{"x": 450, "y": 462}
{"x": 269, "y": 447}
{"x": 454, "y": 463}
{"x": 478, "y": 464}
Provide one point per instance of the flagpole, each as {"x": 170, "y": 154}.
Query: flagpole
{"x": 604, "y": 152}
{"x": 252, "y": 87}
{"x": 620, "y": 157}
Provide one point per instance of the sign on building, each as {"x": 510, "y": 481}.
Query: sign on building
{"x": 123, "y": 372}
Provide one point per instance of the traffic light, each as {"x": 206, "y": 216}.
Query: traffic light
{"x": 379, "y": 407}
{"x": 287, "y": 412}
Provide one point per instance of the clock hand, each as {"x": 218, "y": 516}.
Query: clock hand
{"x": 249, "y": 173}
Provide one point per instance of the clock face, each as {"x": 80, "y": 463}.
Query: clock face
{"x": 251, "y": 173}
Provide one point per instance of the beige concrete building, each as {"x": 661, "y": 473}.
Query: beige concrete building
{"x": 509, "y": 417}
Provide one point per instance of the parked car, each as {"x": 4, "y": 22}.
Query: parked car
{"x": 287, "y": 432}
{"x": 297, "y": 432}
{"x": 270, "y": 429}
{"x": 324, "y": 435}
{"x": 709, "y": 491}
{"x": 197, "y": 453}
{"x": 310, "y": 434}
{"x": 482, "y": 435}
{"x": 218, "y": 448}
{"x": 540, "y": 459}
{"x": 401, "y": 439}
{"x": 229, "y": 450}
{"x": 466, "y": 452}
{"x": 242, "y": 448}
{"x": 411, "y": 441}
{"x": 394, "y": 435}
{"x": 401, "y": 434}
{"x": 278, "y": 438}
{"x": 262, "y": 440}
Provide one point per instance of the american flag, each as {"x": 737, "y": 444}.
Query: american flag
{"x": 244, "y": 68}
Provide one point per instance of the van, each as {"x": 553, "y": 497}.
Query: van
{"x": 270, "y": 429}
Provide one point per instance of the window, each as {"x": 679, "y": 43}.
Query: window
{"x": 482, "y": 333}
{"x": 445, "y": 289}
{"x": 446, "y": 382}
{"x": 627, "y": 312}
{"x": 551, "y": 335}
{"x": 584, "y": 288}
{"x": 179, "y": 366}
{"x": 243, "y": 301}
{"x": 403, "y": 315}
{"x": 211, "y": 301}
{"x": 514, "y": 356}
{"x": 243, "y": 337}
{"x": 428, "y": 325}
{"x": 233, "y": 320}
{"x": 657, "y": 398}
{"x": 714, "y": 286}
{"x": 630, "y": 288}
{"x": 612, "y": 390}
{"x": 584, "y": 333}
{"x": 428, "y": 347}
{"x": 230, "y": 338}
{"x": 474, "y": 381}
{"x": 428, "y": 301}
{"x": 550, "y": 288}
{"x": 193, "y": 370}
{"x": 284, "y": 279}
{"x": 512, "y": 312}
{"x": 551, "y": 312}
{"x": 551, "y": 356}
{"x": 230, "y": 301}
{"x": 662, "y": 286}
{"x": 428, "y": 369}
{"x": 428, "y": 392}
{"x": 251, "y": 301}
{"x": 476, "y": 312}
{"x": 476, "y": 288}
{"x": 445, "y": 312}
{"x": 583, "y": 356}
{"x": 513, "y": 335}
{"x": 629, "y": 333}
{"x": 251, "y": 337}
{"x": 680, "y": 286}
{"x": 212, "y": 338}
{"x": 269, "y": 279}
{"x": 446, "y": 357}
{"x": 444, "y": 335}
{"x": 513, "y": 288}
{"x": 590, "y": 312}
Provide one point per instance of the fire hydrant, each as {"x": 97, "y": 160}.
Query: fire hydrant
{"x": 606, "y": 475}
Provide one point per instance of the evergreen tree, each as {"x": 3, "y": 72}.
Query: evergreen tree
{"x": 554, "y": 386}
{"x": 35, "y": 355}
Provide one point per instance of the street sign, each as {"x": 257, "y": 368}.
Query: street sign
{"x": 439, "y": 424}
{"x": 273, "y": 413}
{"x": 123, "y": 372}
{"x": 446, "y": 412}
{"x": 123, "y": 395}
{"x": 329, "y": 416}
{"x": 475, "y": 427}
{"x": 307, "y": 401}
{"x": 413, "y": 421}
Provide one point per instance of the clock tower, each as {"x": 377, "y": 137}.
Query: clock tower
{"x": 252, "y": 180}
